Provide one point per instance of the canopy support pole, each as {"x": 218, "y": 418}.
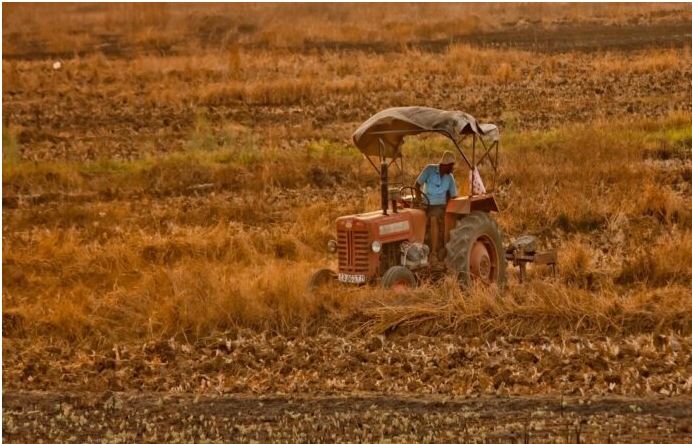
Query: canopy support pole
{"x": 462, "y": 153}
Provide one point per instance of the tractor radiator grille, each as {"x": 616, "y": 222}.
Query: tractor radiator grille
{"x": 354, "y": 251}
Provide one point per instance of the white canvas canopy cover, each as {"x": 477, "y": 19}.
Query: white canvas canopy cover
{"x": 393, "y": 124}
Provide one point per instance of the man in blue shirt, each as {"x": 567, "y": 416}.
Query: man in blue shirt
{"x": 439, "y": 186}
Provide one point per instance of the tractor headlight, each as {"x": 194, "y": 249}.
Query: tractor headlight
{"x": 331, "y": 246}
{"x": 376, "y": 246}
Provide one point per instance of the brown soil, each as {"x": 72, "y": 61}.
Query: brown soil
{"x": 146, "y": 417}
{"x": 559, "y": 39}
{"x": 524, "y": 36}
{"x": 93, "y": 109}
{"x": 399, "y": 387}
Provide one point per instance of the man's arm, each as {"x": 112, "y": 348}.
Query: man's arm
{"x": 422, "y": 177}
{"x": 452, "y": 191}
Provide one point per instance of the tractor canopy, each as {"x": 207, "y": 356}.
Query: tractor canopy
{"x": 382, "y": 134}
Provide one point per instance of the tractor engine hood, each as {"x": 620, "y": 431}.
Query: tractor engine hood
{"x": 408, "y": 224}
{"x": 362, "y": 239}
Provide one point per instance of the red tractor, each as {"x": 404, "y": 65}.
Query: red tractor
{"x": 389, "y": 246}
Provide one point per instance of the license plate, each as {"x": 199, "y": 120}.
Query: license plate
{"x": 352, "y": 278}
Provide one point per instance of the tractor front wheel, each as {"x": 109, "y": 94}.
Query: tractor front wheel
{"x": 398, "y": 278}
{"x": 320, "y": 278}
{"x": 474, "y": 251}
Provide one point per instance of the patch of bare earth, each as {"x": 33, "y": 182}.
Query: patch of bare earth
{"x": 147, "y": 417}
{"x": 247, "y": 386}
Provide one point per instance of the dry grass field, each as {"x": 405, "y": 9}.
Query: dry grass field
{"x": 171, "y": 174}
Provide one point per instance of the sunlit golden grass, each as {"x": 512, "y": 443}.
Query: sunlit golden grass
{"x": 580, "y": 178}
{"x": 660, "y": 61}
{"x": 229, "y": 158}
{"x": 191, "y": 265}
{"x": 535, "y": 308}
{"x": 269, "y": 77}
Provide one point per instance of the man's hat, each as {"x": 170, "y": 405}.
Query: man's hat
{"x": 447, "y": 158}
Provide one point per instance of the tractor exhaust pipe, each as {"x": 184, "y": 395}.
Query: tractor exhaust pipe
{"x": 384, "y": 188}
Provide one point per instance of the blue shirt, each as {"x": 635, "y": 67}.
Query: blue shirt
{"x": 436, "y": 187}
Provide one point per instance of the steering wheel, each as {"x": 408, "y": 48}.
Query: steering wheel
{"x": 410, "y": 200}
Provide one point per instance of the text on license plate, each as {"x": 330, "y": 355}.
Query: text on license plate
{"x": 352, "y": 278}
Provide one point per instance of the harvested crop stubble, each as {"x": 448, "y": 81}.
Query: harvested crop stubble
{"x": 246, "y": 362}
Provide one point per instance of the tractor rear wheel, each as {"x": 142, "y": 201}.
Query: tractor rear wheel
{"x": 398, "y": 277}
{"x": 320, "y": 278}
{"x": 474, "y": 251}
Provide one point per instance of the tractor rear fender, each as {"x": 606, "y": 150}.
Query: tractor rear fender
{"x": 467, "y": 204}
{"x": 461, "y": 206}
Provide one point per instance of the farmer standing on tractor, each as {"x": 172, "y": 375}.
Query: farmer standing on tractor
{"x": 439, "y": 188}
